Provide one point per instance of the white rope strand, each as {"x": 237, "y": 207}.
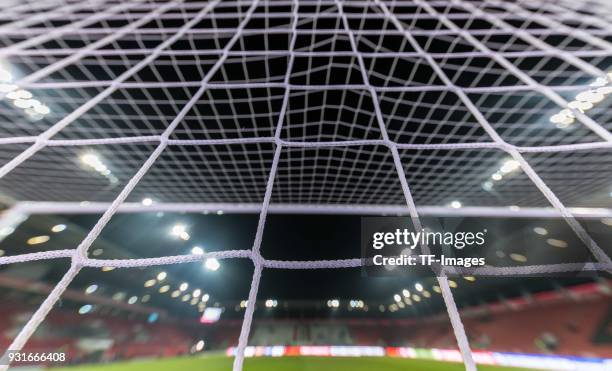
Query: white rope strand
{"x": 258, "y": 260}
{"x": 451, "y": 307}
{"x": 297, "y": 144}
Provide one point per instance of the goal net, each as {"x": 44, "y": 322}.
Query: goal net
{"x": 415, "y": 107}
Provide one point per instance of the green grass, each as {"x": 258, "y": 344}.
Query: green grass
{"x": 222, "y": 363}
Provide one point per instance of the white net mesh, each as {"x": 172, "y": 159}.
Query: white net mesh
{"x": 303, "y": 106}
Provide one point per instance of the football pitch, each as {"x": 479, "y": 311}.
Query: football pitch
{"x": 223, "y": 363}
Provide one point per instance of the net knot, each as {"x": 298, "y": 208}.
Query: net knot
{"x": 79, "y": 259}
{"x": 257, "y": 259}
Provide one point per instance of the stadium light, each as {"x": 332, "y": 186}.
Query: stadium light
{"x": 519, "y": 258}
{"x": 205, "y": 298}
{"x": 21, "y": 98}
{"x": 357, "y": 304}
{"x": 541, "y": 231}
{"x": 177, "y": 229}
{"x": 58, "y": 228}
{"x": 161, "y": 276}
{"x": 556, "y": 243}
{"x": 91, "y": 289}
{"x": 199, "y": 346}
{"x": 455, "y": 204}
{"x": 93, "y": 161}
{"x": 509, "y": 165}
{"x": 164, "y": 289}
{"x": 418, "y": 287}
{"x": 184, "y": 286}
{"x": 132, "y": 300}
{"x": 584, "y": 101}
{"x": 180, "y": 231}
{"x": 196, "y": 293}
{"x": 150, "y": 283}
{"x": 212, "y": 264}
{"x": 85, "y": 309}
{"x": 37, "y": 240}
{"x": 147, "y": 202}
{"x": 211, "y": 315}
{"x": 153, "y": 317}
{"x": 406, "y": 293}
{"x": 271, "y": 303}
{"x": 197, "y": 250}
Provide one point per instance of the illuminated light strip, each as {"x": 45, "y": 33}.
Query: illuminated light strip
{"x": 509, "y": 166}
{"x": 93, "y": 161}
{"x": 21, "y": 98}
{"x": 584, "y": 101}
{"x": 521, "y": 360}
